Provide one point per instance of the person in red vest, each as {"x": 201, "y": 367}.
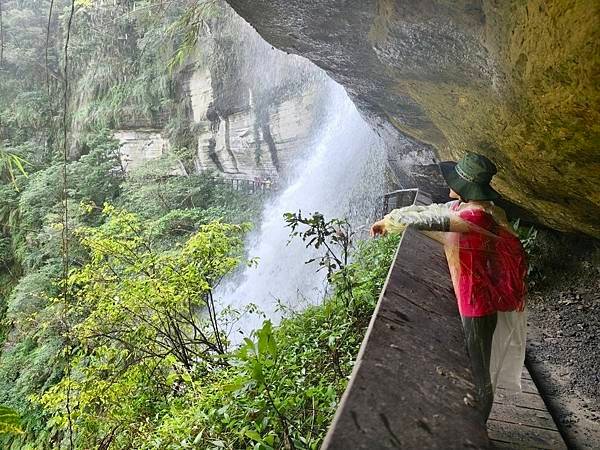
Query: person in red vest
{"x": 488, "y": 268}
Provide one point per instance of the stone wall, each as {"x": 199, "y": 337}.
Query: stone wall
{"x": 251, "y": 142}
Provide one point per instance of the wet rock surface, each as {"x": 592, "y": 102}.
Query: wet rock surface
{"x": 569, "y": 334}
{"x": 232, "y": 115}
{"x": 563, "y": 347}
{"x": 249, "y": 122}
{"x": 140, "y": 145}
{"x": 516, "y": 81}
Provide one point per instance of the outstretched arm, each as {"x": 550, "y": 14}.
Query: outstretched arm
{"x": 434, "y": 217}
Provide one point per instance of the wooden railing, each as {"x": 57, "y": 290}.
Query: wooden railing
{"x": 411, "y": 386}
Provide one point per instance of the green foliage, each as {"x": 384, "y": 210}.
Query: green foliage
{"x": 9, "y": 208}
{"x": 153, "y": 191}
{"x": 334, "y": 235}
{"x": 187, "y": 29}
{"x": 143, "y": 376}
{"x": 529, "y": 239}
{"x": 178, "y": 224}
{"x": 27, "y": 112}
{"x": 93, "y": 179}
{"x": 122, "y": 74}
{"x": 23, "y": 100}
{"x": 137, "y": 351}
{"x": 334, "y": 238}
{"x": 555, "y": 259}
{"x": 29, "y": 366}
{"x": 122, "y": 375}
{"x": 527, "y": 235}
{"x": 97, "y": 175}
{"x": 176, "y": 208}
{"x": 369, "y": 269}
{"x": 40, "y": 197}
{"x": 145, "y": 321}
{"x": 11, "y": 164}
{"x": 282, "y": 387}
{"x": 5, "y": 250}
{"x": 10, "y": 422}
{"x": 30, "y": 297}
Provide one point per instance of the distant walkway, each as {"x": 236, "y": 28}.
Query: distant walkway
{"x": 251, "y": 186}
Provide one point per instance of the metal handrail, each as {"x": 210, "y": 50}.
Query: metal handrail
{"x": 399, "y": 198}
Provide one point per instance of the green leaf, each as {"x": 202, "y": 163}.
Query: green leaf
{"x": 257, "y": 372}
{"x": 234, "y": 386}
{"x": 10, "y": 421}
{"x": 185, "y": 376}
{"x": 253, "y": 435}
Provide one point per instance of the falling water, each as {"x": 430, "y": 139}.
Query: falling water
{"x": 341, "y": 176}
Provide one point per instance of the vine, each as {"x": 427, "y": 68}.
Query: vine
{"x": 65, "y": 227}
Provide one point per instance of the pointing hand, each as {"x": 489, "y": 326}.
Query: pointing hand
{"x": 378, "y": 228}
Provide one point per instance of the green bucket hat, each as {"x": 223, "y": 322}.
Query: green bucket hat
{"x": 470, "y": 177}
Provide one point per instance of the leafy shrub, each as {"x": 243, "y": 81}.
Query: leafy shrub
{"x": 140, "y": 380}
{"x": 283, "y": 386}
{"x": 144, "y": 322}
{"x": 178, "y": 224}
{"x": 151, "y": 194}
{"x": 31, "y": 295}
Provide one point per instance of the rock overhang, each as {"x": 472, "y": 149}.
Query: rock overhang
{"x": 517, "y": 81}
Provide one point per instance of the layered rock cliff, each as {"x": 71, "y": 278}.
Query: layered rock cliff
{"x": 517, "y": 81}
{"x": 244, "y": 109}
{"x": 249, "y": 135}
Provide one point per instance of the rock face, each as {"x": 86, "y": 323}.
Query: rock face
{"x": 516, "y": 81}
{"x": 140, "y": 145}
{"x": 252, "y": 139}
{"x": 246, "y": 109}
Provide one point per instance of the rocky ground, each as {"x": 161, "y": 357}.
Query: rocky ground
{"x": 564, "y": 349}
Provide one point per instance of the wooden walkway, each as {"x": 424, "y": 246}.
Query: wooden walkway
{"x": 522, "y": 421}
{"x": 411, "y": 387}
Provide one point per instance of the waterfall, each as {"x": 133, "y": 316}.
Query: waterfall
{"x": 340, "y": 176}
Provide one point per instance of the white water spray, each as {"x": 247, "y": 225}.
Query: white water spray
{"x": 341, "y": 176}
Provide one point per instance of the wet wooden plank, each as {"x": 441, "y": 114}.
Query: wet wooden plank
{"x": 411, "y": 386}
{"x": 499, "y": 444}
{"x": 527, "y": 386}
{"x": 524, "y": 416}
{"x": 524, "y": 400}
{"x": 525, "y": 375}
{"x": 525, "y": 437}
{"x": 522, "y": 421}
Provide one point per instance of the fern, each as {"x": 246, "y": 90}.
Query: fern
{"x": 11, "y": 165}
{"x": 10, "y": 421}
